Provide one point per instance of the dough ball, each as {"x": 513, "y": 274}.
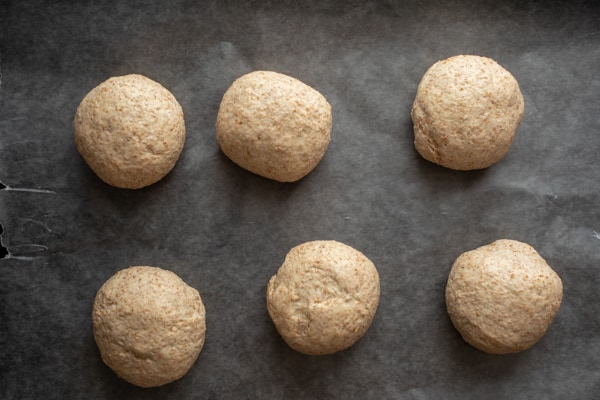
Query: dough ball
{"x": 324, "y": 297}
{"x": 502, "y": 297}
{"x": 466, "y": 112}
{"x": 274, "y": 125}
{"x": 130, "y": 131}
{"x": 149, "y": 325}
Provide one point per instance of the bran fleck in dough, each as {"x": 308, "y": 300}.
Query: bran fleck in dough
{"x": 149, "y": 325}
{"x": 130, "y": 131}
{"x": 466, "y": 112}
{"x": 502, "y": 297}
{"x": 274, "y": 125}
{"x": 323, "y": 297}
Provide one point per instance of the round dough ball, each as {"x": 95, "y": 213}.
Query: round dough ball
{"x": 149, "y": 325}
{"x": 324, "y": 297}
{"x": 502, "y": 297}
{"x": 274, "y": 125}
{"x": 130, "y": 131}
{"x": 466, "y": 112}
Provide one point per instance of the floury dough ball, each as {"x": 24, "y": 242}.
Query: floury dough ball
{"x": 323, "y": 297}
{"x": 502, "y": 297}
{"x": 466, "y": 112}
{"x": 274, "y": 125}
{"x": 130, "y": 130}
{"x": 149, "y": 325}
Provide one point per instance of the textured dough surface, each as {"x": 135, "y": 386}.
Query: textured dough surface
{"x": 149, "y": 325}
{"x": 502, "y": 297}
{"x": 323, "y": 297}
{"x": 466, "y": 112}
{"x": 130, "y": 131}
{"x": 274, "y": 125}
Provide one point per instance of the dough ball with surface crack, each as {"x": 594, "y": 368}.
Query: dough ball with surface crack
{"x": 149, "y": 325}
{"x": 466, "y": 112}
{"x": 274, "y": 125}
{"x": 323, "y": 297}
{"x": 130, "y": 131}
{"x": 502, "y": 297}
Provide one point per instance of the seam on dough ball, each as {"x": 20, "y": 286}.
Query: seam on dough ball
{"x": 324, "y": 297}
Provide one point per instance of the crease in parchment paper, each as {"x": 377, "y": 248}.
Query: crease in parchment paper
{"x": 5, "y": 187}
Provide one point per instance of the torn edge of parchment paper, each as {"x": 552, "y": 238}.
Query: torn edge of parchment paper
{"x": 6, "y": 252}
{"x": 9, "y": 252}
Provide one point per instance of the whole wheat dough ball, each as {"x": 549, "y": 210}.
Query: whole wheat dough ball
{"x": 466, "y": 112}
{"x": 149, "y": 325}
{"x": 323, "y": 297}
{"x": 502, "y": 297}
{"x": 274, "y": 125}
{"x": 130, "y": 130}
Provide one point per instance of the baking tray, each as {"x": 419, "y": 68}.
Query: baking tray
{"x": 226, "y": 231}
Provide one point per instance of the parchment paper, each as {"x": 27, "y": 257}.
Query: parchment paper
{"x": 226, "y": 231}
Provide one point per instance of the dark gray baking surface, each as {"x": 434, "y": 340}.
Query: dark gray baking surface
{"x": 226, "y": 231}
